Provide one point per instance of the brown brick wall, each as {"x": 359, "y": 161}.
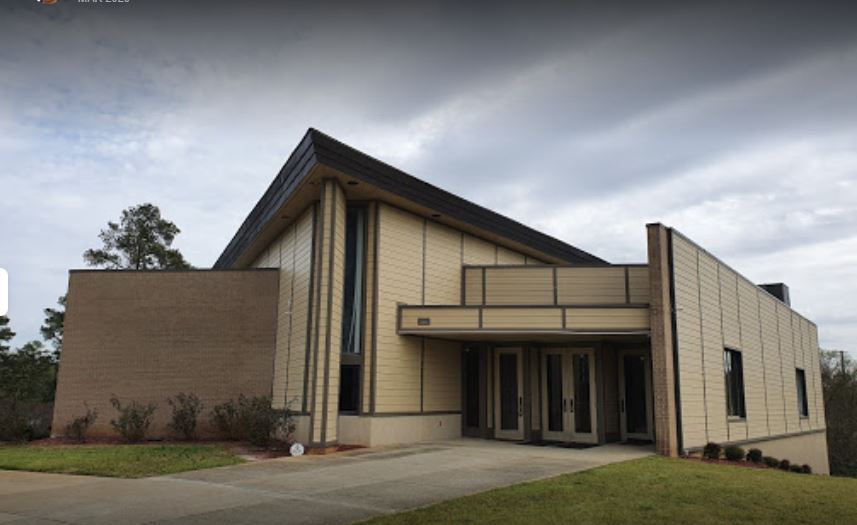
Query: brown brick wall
{"x": 146, "y": 336}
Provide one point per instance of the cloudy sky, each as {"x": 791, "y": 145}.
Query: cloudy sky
{"x": 736, "y": 125}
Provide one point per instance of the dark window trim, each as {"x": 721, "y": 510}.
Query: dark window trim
{"x": 734, "y": 413}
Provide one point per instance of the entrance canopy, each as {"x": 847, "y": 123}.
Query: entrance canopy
{"x": 538, "y": 303}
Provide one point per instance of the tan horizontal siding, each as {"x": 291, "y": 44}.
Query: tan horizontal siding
{"x": 522, "y": 318}
{"x": 607, "y": 318}
{"x": 716, "y": 308}
{"x": 441, "y": 376}
{"x": 638, "y": 284}
{"x": 518, "y": 286}
{"x": 590, "y": 285}
{"x": 473, "y": 286}
{"x": 449, "y": 318}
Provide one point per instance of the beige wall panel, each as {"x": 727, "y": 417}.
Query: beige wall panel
{"x": 590, "y": 285}
{"x": 507, "y": 256}
{"x": 638, "y": 284}
{"x": 146, "y": 336}
{"x": 754, "y": 370}
{"x": 400, "y": 281}
{"x": 369, "y": 293}
{"x": 442, "y": 265}
{"x": 522, "y": 318}
{"x": 477, "y": 251}
{"x": 803, "y": 448}
{"x": 689, "y": 344}
{"x": 286, "y": 244}
{"x": 299, "y": 345}
{"x": 788, "y": 368}
{"x": 607, "y": 318}
{"x": 518, "y": 286}
{"x": 729, "y": 308}
{"x": 799, "y": 362}
{"x": 448, "y": 318}
{"x": 819, "y": 398}
{"x": 442, "y": 376}
{"x": 712, "y": 340}
{"x": 473, "y": 286}
{"x": 773, "y": 368}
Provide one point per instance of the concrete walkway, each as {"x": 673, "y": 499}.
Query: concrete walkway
{"x": 340, "y": 488}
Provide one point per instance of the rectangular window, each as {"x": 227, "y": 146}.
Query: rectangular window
{"x": 352, "y": 311}
{"x": 734, "y": 383}
{"x": 802, "y": 404}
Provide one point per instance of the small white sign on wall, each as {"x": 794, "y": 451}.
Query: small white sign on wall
{"x": 4, "y": 292}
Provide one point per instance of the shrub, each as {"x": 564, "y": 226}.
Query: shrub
{"x": 225, "y": 418}
{"x": 79, "y": 426}
{"x": 711, "y": 451}
{"x": 252, "y": 419}
{"x": 134, "y": 419}
{"x": 771, "y": 461}
{"x": 754, "y": 455}
{"x": 734, "y": 453}
{"x": 186, "y": 409}
{"x": 806, "y": 469}
{"x": 796, "y": 468}
{"x": 785, "y": 464}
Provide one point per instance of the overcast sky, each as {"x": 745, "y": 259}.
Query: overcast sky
{"x": 736, "y": 125}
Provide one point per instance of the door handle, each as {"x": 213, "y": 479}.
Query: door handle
{"x": 571, "y": 405}
{"x": 622, "y": 406}
{"x": 564, "y": 407}
{"x": 520, "y": 406}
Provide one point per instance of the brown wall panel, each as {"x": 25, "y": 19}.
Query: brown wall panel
{"x": 146, "y": 336}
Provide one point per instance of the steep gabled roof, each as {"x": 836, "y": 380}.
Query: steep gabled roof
{"x": 317, "y": 148}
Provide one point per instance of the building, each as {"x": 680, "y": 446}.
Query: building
{"x": 385, "y": 310}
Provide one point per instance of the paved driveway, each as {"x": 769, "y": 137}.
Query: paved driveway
{"x": 340, "y": 488}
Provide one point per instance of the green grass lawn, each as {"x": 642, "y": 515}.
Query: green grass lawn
{"x": 655, "y": 490}
{"x": 121, "y": 461}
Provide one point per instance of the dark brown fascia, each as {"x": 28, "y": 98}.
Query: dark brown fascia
{"x": 316, "y": 148}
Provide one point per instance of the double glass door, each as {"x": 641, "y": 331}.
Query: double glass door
{"x": 568, "y": 395}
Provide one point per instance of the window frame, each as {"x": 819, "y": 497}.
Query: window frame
{"x": 733, "y": 371}
{"x": 802, "y": 399}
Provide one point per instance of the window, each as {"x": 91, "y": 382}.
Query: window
{"x": 352, "y": 311}
{"x": 802, "y": 404}
{"x": 734, "y": 383}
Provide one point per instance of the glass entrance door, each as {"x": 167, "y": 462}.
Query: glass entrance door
{"x": 568, "y": 395}
{"x": 508, "y": 398}
{"x": 635, "y": 388}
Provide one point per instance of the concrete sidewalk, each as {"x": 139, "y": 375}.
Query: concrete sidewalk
{"x": 340, "y": 488}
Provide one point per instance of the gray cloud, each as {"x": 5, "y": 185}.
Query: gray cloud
{"x": 735, "y": 124}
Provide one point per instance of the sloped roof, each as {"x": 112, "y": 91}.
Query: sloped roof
{"x": 317, "y": 148}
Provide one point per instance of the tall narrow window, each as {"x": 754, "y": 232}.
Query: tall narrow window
{"x": 734, "y": 383}
{"x": 352, "y": 311}
{"x": 802, "y": 404}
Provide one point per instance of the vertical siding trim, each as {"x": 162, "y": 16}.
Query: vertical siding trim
{"x": 320, "y": 260}
{"x": 675, "y": 349}
{"x": 782, "y": 379}
{"x": 702, "y": 346}
{"x": 741, "y": 342}
{"x": 423, "y": 286}
{"x": 325, "y": 399}
{"x": 308, "y": 346}
{"x": 764, "y": 364}
{"x": 291, "y": 307}
{"x": 483, "y": 286}
{"x": 627, "y": 286}
{"x": 722, "y": 348}
{"x": 374, "y": 375}
{"x": 555, "y": 292}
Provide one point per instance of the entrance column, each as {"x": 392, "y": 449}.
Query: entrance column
{"x": 663, "y": 365}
